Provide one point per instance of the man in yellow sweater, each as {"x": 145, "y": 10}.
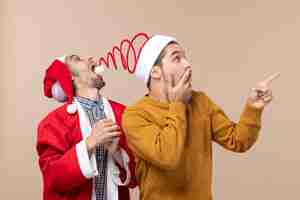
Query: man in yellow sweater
{"x": 171, "y": 129}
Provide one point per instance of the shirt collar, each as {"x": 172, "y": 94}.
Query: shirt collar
{"x": 88, "y": 103}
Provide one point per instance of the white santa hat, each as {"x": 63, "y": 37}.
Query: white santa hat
{"x": 149, "y": 54}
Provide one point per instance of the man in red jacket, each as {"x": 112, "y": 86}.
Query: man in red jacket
{"x": 82, "y": 151}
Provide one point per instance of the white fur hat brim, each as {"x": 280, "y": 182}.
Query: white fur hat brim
{"x": 149, "y": 55}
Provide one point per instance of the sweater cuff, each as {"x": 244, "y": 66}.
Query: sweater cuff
{"x": 252, "y": 116}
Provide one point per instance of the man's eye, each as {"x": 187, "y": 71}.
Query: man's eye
{"x": 93, "y": 67}
{"x": 177, "y": 59}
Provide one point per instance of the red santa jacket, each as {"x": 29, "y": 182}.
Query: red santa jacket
{"x": 58, "y": 146}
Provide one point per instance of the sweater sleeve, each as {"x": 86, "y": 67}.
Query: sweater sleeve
{"x": 161, "y": 146}
{"x": 237, "y": 137}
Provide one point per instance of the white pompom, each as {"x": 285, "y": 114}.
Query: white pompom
{"x": 58, "y": 93}
{"x": 72, "y": 108}
{"x": 99, "y": 69}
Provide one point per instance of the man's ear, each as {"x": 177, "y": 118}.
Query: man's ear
{"x": 156, "y": 72}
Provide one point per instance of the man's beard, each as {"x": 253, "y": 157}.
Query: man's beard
{"x": 99, "y": 84}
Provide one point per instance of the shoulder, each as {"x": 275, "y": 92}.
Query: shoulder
{"x": 118, "y": 109}
{"x": 199, "y": 97}
{"x": 138, "y": 107}
{"x": 143, "y": 111}
{"x": 116, "y": 105}
{"x": 58, "y": 117}
{"x": 203, "y": 101}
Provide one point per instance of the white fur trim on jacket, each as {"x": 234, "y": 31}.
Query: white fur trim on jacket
{"x": 88, "y": 166}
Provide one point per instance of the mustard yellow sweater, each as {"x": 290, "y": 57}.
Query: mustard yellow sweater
{"x": 172, "y": 144}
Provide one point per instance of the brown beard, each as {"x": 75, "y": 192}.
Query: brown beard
{"x": 99, "y": 84}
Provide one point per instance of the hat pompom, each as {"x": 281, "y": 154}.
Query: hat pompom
{"x": 58, "y": 93}
{"x": 72, "y": 108}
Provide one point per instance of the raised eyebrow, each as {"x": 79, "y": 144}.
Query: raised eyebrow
{"x": 174, "y": 53}
{"x": 177, "y": 52}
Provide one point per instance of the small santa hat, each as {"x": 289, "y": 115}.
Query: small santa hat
{"x": 58, "y": 80}
{"x": 149, "y": 54}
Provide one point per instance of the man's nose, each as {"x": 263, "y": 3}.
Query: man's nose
{"x": 187, "y": 64}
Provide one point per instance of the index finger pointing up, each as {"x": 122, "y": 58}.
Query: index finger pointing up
{"x": 268, "y": 80}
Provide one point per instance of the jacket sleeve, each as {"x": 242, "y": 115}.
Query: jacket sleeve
{"x": 124, "y": 159}
{"x": 126, "y": 164}
{"x": 161, "y": 146}
{"x": 61, "y": 164}
{"x": 237, "y": 137}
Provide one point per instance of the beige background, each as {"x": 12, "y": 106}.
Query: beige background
{"x": 232, "y": 44}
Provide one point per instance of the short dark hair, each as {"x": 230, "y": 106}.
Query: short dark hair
{"x": 158, "y": 61}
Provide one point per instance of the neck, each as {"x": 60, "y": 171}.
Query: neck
{"x": 157, "y": 93}
{"x": 89, "y": 93}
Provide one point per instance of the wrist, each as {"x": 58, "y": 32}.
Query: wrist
{"x": 90, "y": 145}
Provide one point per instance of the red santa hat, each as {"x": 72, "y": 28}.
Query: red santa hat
{"x": 144, "y": 56}
{"x": 58, "y": 80}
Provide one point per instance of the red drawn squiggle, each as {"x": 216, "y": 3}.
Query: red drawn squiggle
{"x": 125, "y": 49}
